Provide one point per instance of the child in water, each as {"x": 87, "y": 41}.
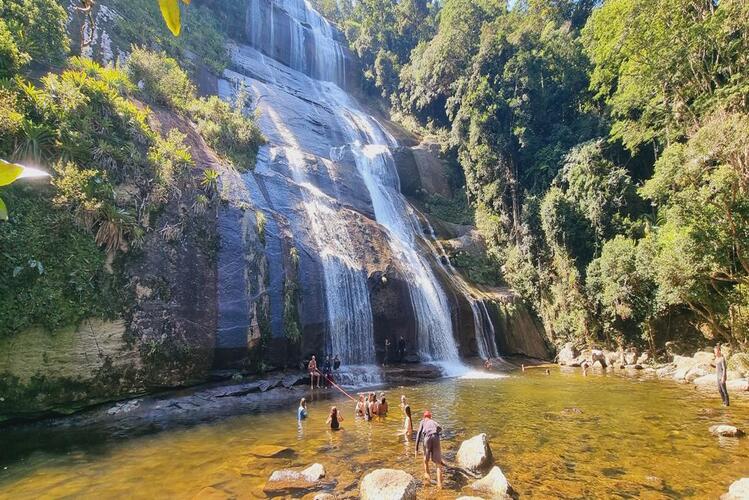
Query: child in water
{"x": 334, "y": 419}
{"x": 382, "y": 409}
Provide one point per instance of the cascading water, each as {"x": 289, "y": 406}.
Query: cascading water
{"x": 288, "y": 30}
{"x": 329, "y": 166}
{"x": 486, "y": 341}
{"x": 346, "y": 294}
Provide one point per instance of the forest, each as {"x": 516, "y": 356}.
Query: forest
{"x": 604, "y": 147}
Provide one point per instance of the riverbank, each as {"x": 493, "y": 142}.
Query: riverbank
{"x": 697, "y": 369}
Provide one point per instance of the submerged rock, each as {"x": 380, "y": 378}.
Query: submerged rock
{"x": 739, "y": 490}
{"x": 495, "y": 485}
{"x": 270, "y": 451}
{"x": 475, "y": 454}
{"x": 725, "y": 430}
{"x": 388, "y": 484}
{"x": 288, "y": 481}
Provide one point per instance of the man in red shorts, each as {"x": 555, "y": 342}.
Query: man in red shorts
{"x": 429, "y": 431}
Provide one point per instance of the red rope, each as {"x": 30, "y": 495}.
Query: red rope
{"x": 336, "y": 386}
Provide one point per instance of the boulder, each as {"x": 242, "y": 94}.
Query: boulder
{"x": 739, "y": 362}
{"x": 738, "y": 385}
{"x": 475, "y": 454}
{"x": 494, "y": 485}
{"x": 567, "y": 354}
{"x": 725, "y": 430}
{"x": 324, "y": 496}
{"x": 271, "y": 451}
{"x": 388, "y": 484}
{"x": 705, "y": 381}
{"x": 630, "y": 357}
{"x": 644, "y": 357}
{"x": 290, "y": 482}
{"x": 469, "y": 498}
{"x": 739, "y": 490}
{"x": 704, "y": 357}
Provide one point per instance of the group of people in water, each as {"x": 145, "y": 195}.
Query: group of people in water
{"x": 370, "y": 405}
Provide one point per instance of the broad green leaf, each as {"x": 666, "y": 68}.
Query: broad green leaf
{"x": 170, "y": 12}
{"x": 3, "y": 210}
{"x": 9, "y": 172}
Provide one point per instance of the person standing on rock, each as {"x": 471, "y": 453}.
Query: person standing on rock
{"x": 401, "y": 349}
{"x": 721, "y": 373}
{"x": 386, "y": 360}
{"x": 336, "y": 363}
{"x": 429, "y": 432}
{"x": 313, "y": 373}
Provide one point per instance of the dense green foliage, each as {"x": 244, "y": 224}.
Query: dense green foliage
{"x": 226, "y": 128}
{"x": 67, "y": 243}
{"x": 140, "y": 23}
{"x": 605, "y": 150}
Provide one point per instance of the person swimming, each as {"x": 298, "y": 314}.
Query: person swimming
{"x": 301, "y": 412}
{"x": 334, "y": 419}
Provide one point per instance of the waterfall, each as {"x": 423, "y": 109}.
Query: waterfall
{"x": 346, "y": 294}
{"x": 329, "y": 173}
{"x": 486, "y": 339}
{"x": 289, "y": 30}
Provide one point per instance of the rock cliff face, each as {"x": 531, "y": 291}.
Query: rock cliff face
{"x": 314, "y": 251}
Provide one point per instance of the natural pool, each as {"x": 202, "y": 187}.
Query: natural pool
{"x": 633, "y": 438}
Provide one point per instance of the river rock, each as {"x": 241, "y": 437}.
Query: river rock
{"x": 288, "y": 481}
{"x": 739, "y": 490}
{"x": 738, "y": 385}
{"x": 211, "y": 493}
{"x": 630, "y": 357}
{"x": 388, "y": 484}
{"x": 469, "y": 498}
{"x": 494, "y": 485}
{"x": 475, "y": 454}
{"x": 270, "y": 451}
{"x": 567, "y": 354}
{"x": 643, "y": 358}
{"x": 725, "y": 430}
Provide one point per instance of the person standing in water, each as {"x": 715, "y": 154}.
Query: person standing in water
{"x": 313, "y": 373}
{"x": 408, "y": 426}
{"x": 429, "y": 432}
{"x": 301, "y": 412}
{"x": 360, "y": 411}
{"x": 721, "y": 374}
{"x": 334, "y": 419}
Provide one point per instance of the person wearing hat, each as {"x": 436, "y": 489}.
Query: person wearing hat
{"x": 429, "y": 431}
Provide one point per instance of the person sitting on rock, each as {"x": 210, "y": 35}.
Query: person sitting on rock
{"x": 429, "y": 433}
{"x": 334, "y": 419}
{"x": 313, "y": 373}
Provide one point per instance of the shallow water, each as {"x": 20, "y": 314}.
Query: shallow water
{"x": 630, "y": 438}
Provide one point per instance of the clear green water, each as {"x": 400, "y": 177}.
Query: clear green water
{"x": 634, "y": 438}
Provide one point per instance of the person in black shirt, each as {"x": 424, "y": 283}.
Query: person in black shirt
{"x": 401, "y": 349}
{"x": 336, "y": 362}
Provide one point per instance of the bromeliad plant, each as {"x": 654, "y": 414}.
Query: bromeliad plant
{"x": 9, "y": 173}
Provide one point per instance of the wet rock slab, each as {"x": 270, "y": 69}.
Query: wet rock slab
{"x": 293, "y": 482}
